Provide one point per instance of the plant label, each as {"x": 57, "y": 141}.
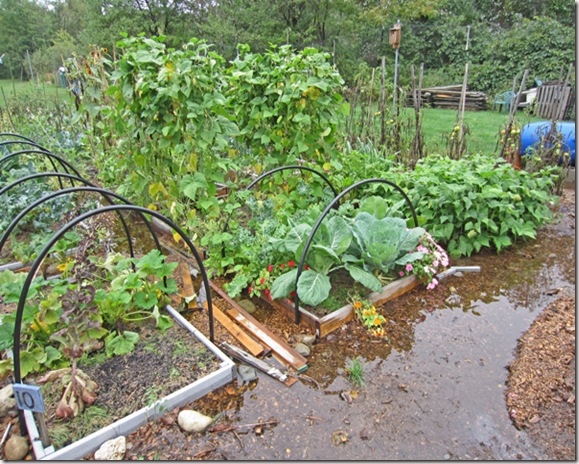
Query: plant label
{"x": 28, "y": 397}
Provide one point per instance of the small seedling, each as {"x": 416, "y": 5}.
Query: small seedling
{"x": 355, "y": 371}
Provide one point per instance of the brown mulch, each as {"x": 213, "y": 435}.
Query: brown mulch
{"x": 541, "y": 385}
{"x": 540, "y": 391}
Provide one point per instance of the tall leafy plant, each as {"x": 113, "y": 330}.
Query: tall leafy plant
{"x": 287, "y": 104}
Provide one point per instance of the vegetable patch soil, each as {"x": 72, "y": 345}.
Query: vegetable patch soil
{"x": 160, "y": 364}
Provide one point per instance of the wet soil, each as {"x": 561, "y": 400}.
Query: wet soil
{"x": 441, "y": 386}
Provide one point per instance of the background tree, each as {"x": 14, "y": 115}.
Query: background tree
{"x": 24, "y": 25}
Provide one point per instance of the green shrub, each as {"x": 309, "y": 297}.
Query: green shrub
{"x": 479, "y": 201}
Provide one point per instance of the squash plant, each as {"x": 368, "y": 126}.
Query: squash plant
{"x": 91, "y": 305}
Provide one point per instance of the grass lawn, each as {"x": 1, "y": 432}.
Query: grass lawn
{"x": 484, "y": 128}
{"x": 11, "y": 88}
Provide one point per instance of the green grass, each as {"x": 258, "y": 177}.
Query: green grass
{"x": 484, "y": 128}
{"x": 10, "y": 88}
{"x": 355, "y": 371}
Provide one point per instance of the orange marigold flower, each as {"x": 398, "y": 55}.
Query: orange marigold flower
{"x": 357, "y": 304}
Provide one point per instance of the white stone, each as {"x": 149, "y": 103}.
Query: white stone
{"x": 16, "y": 448}
{"x": 193, "y": 421}
{"x": 112, "y": 450}
{"x": 302, "y": 349}
{"x": 7, "y": 401}
{"x": 308, "y": 340}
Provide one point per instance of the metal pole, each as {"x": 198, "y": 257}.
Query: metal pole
{"x": 395, "y": 79}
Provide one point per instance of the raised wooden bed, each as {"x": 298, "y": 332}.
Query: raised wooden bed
{"x": 224, "y": 374}
{"x": 322, "y": 326}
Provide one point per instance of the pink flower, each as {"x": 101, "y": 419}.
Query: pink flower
{"x": 435, "y": 263}
{"x": 409, "y": 267}
{"x": 427, "y": 269}
{"x": 401, "y": 273}
{"x": 432, "y": 284}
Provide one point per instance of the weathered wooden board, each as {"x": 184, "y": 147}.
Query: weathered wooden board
{"x": 260, "y": 332}
{"x": 254, "y": 347}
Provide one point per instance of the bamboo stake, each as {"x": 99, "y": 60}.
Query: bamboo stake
{"x": 512, "y": 113}
{"x": 383, "y": 103}
{"x": 370, "y": 102}
{"x": 8, "y": 110}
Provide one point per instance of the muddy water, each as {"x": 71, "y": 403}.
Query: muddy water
{"x": 436, "y": 390}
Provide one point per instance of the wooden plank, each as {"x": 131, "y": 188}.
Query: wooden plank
{"x": 276, "y": 344}
{"x": 254, "y": 347}
{"x": 394, "y": 290}
{"x": 188, "y": 289}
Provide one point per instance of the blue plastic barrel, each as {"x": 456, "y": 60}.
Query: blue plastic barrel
{"x": 532, "y": 133}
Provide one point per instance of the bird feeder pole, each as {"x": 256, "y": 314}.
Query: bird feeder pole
{"x": 395, "y": 35}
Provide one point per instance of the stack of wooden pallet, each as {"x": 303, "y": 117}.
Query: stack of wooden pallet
{"x": 449, "y": 97}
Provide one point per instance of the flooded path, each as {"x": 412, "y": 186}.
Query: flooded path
{"x": 437, "y": 390}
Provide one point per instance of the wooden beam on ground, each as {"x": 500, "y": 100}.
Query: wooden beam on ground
{"x": 260, "y": 364}
{"x": 255, "y": 348}
{"x": 276, "y": 344}
{"x": 188, "y": 289}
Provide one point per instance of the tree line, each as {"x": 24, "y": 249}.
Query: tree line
{"x": 498, "y": 38}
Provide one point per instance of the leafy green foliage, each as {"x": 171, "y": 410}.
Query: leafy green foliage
{"x": 479, "y": 202}
{"x": 364, "y": 246}
{"x": 66, "y": 318}
{"x": 287, "y": 104}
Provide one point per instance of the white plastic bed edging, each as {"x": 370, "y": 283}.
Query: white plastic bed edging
{"x": 125, "y": 426}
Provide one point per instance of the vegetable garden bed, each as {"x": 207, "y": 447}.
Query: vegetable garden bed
{"x": 224, "y": 374}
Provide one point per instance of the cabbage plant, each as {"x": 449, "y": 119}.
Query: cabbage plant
{"x": 365, "y": 246}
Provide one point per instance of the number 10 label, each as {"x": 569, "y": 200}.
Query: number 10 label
{"x": 28, "y": 397}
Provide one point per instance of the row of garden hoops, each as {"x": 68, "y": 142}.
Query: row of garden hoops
{"x": 7, "y": 142}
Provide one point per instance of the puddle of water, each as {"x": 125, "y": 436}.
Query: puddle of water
{"x": 437, "y": 391}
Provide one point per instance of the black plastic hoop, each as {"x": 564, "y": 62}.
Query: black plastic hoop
{"x": 24, "y": 142}
{"x": 268, "y": 173}
{"x": 319, "y": 222}
{"x": 9, "y": 134}
{"x": 284, "y": 168}
{"x": 58, "y": 234}
{"x": 51, "y": 156}
{"x": 72, "y": 177}
{"x": 78, "y": 179}
{"x": 103, "y": 192}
